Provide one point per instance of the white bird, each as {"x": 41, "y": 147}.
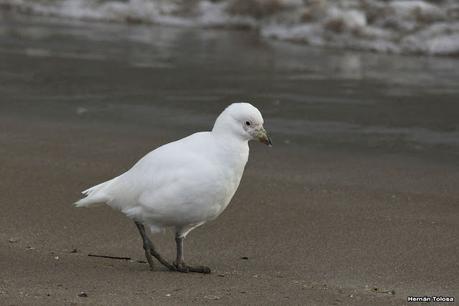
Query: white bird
{"x": 185, "y": 183}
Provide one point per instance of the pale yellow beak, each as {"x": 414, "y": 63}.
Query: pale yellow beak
{"x": 263, "y": 137}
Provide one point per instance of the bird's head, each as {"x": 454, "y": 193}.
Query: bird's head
{"x": 243, "y": 120}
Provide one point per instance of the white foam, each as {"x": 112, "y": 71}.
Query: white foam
{"x": 401, "y": 26}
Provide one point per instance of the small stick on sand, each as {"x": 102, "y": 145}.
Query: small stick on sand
{"x": 110, "y": 257}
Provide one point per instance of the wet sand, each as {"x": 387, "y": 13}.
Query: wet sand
{"x": 340, "y": 211}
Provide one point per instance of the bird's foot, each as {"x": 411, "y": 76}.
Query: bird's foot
{"x": 151, "y": 251}
{"x": 184, "y": 268}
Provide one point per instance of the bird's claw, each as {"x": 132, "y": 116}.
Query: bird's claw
{"x": 181, "y": 267}
{"x": 184, "y": 268}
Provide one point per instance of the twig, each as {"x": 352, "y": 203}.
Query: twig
{"x": 110, "y": 257}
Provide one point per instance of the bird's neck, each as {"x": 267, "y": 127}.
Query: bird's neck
{"x": 231, "y": 146}
{"x": 230, "y": 142}
{"x": 234, "y": 146}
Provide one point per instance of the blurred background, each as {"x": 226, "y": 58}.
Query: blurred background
{"x": 299, "y": 60}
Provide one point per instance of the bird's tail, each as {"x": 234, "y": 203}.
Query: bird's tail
{"x": 95, "y": 196}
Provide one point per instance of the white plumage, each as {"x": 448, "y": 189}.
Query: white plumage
{"x": 188, "y": 182}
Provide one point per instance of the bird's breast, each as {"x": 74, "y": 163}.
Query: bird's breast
{"x": 227, "y": 182}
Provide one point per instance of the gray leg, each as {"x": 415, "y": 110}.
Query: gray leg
{"x": 180, "y": 264}
{"x": 179, "y": 243}
{"x": 150, "y": 249}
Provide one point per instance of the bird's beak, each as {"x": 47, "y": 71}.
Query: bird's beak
{"x": 263, "y": 137}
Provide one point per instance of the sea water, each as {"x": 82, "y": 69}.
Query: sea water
{"x": 157, "y": 77}
{"x": 400, "y": 26}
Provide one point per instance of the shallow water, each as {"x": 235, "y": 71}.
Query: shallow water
{"x": 153, "y": 77}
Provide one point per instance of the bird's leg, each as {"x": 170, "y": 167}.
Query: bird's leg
{"x": 150, "y": 249}
{"x": 180, "y": 264}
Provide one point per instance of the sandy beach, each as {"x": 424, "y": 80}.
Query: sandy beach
{"x": 355, "y": 204}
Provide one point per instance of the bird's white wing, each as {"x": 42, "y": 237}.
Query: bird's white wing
{"x": 165, "y": 180}
{"x": 150, "y": 172}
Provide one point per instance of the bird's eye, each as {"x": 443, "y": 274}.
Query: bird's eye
{"x": 247, "y": 123}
